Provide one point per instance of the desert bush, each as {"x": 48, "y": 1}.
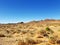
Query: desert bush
{"x": 58, "y": 41}
{"x": 39, "y": 36}
{"x": 7, "y": 31}
{"x": 24, "y": 31}
{"x": 32, "y": 32}
{"x": 38, "y": 41}
{"x": 53, "y": 39}
{"x": 13, "y": 31}
{"x": 42, "y": 32}
{"x": 24, "y": 43}
{"x": 46, "y": 35}
{"x": 31, "y": 41}
{"x": 2, "y": 35}
{"x": 18, "y": 31}
{"x": 10, "y": 31}
{"x": 49, "y": 30}
{"x": 21, "y": 22}
{"x": 21, "y": 43}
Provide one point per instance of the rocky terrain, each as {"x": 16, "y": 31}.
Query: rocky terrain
{"x": 44, "y": 32}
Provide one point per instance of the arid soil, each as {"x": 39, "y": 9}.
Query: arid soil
{"x": 44, "y": 32}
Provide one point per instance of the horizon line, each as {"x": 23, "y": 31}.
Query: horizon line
{"x": 26, "y": 21}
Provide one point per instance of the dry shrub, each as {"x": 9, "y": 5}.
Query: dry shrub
{"x": 42, "y": 32}
{"x": 29, "y": 42}
{"x": 34, "y": 41}
{"x": 38, "y": 41}
{"x": 53, "y": 39}
{"x": 49, "y": 30}
{"x": 39, "y": 36}
{"x": 58, "y": 41}
{"x": 22, "y": 43}
{"x": 1, "y": 35}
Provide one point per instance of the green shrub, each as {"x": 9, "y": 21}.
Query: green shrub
{"x": 47, "y": 28}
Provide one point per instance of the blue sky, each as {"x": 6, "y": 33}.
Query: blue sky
{"x": 28, "y": 10}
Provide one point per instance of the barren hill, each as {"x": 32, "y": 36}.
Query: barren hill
{"x": 46, "y": 21}
{"x": 44, "y": 32}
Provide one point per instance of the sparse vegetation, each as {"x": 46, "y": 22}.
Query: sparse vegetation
{"x": 58, "y": 41}
{"x": 42, "y": 32}
{"x": 2, "y": 35}
{"x": 49, "y": 30}
{"x": 31, "y": 33}
{"x": 53, "y": 39}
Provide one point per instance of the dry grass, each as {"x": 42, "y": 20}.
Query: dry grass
{"x": 45, "y": 32}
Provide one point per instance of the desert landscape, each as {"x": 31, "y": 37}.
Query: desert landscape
{"x": 43, "y": 32}
{"x": 29, "y": 22}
